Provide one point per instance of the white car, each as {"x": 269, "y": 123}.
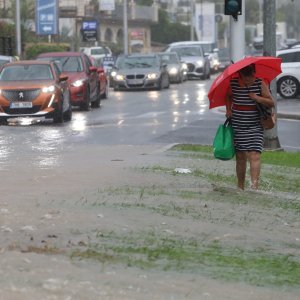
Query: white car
{"x": 6, "y": 59}
{"x": 288, "y": 82}
{"x": 97, "y": 52}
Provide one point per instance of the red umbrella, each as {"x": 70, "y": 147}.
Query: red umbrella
{"x": 266, "y": 68}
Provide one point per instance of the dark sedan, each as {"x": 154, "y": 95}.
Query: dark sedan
{"x": 140, "y": 71}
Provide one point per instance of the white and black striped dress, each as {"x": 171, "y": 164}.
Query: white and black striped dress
{"x": 248, "y": 132}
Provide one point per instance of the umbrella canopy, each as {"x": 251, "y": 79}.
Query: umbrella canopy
{"x": 266, "y": 68}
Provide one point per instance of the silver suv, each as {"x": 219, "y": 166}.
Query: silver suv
{"x": 197, "y": 63}
{"x": 288, "y": 82}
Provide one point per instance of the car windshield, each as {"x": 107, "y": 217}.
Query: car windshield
{"x": 187, "y": 51}
{"x": 224, "y": 53}
{"x": 137, "y": 62}
{"x": 207, "y": 48}
{"x": 67, "y": 63}
{"x": 169, "y": 58}
{"x": 26, "y": 72}
{"x": 3, "y": 61}
{"x": 97, "y": 51}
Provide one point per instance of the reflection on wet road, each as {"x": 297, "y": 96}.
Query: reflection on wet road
{"x": 176, "y": 115}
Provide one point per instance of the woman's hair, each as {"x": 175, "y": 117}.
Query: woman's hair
{"x": 248, "y": 71}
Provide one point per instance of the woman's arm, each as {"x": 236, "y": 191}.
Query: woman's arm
{"x": 265, "y": 98}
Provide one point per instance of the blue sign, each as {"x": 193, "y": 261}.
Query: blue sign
{"x": 46, "y": 17}
{"x": 89, "y": 25}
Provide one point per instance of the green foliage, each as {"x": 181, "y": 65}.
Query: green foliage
{"x": 32, "y": 51}
{"x": 167, "y": 32}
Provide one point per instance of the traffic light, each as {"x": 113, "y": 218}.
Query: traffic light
{"x": 233, "y": 8}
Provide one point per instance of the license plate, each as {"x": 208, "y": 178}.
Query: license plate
{"x": 21, "y": 105}
{"x": 136, "y": 81}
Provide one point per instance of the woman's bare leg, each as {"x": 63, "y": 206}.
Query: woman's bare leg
{"x": 255, "y": 165}
{"x": 241, "y": 166}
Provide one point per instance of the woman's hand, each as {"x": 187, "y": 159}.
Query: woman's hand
{"x": 254, "y": 97}
{"x": 228, "y": 114}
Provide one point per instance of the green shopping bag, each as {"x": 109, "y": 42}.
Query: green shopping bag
{"x": 223, "y": 146}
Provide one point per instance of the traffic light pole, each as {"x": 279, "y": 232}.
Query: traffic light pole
{"x": 237, "y": 36}
{"x": 271, "y": 140}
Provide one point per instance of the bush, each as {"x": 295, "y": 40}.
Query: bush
{"x": 33, "y": 50}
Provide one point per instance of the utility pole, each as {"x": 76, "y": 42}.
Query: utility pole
{"x": 271, "y": 140}
{"x": 18, "y": 29}
{"x": 192, "y": 19}
{"x": 125, "y": 27}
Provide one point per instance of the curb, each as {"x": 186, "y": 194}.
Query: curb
{"x": 288, "y": 116}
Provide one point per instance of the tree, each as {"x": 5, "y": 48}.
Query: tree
{"x": 166, "y": 32}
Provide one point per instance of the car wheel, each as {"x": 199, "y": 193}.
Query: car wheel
{"x": 58, "y": 116}
{"x": 87, "y": 101}
{"x": 288, "y": 87}
{"x": 168, "y": 82}
{"x": 97, "y": 103}
{"x": 68, "y": 113}
{"x": 105, "y": 94}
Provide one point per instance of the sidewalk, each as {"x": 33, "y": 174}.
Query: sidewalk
{"x": 288, "y": 109}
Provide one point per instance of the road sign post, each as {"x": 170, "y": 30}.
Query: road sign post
{"x": 46, "y": 17}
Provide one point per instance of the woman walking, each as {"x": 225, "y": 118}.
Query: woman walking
{"x": 242, "y": 95}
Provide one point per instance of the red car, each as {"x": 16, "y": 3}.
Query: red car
{"x": 33, "y": 88}
{"x": 103, "y": 79}
{"x": 82, "y": 77}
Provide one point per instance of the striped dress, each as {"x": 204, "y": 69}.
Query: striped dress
{"x": 248, "y": 132}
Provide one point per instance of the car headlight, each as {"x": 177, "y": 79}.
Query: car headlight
{"x": 78, "y": 83}
{"x": 200, "y": 63}
{"x": 113, "y": 73}
{"x": 152, "y": 76}
{"x": 184, "y": 66}
{"x": 48, "y": 89}
{"x": 119, "y": 77}
{"x": 173, "y": 71}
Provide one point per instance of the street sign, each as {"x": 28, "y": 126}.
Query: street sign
{"x": 89, "y": 30}
{"x": 46, "y": 17}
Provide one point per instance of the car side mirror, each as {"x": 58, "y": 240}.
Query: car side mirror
{"x": 63, "y": 77}
{"x": 100, "y": 70}
{"x": 93, "y": 69}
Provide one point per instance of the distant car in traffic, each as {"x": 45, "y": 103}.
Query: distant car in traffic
{"x": 82, "y": 77}
{"x": 209, "y": 49}
{"x": 140, "y": 71}
{"x": 193, "y": 55}
{"x": 34, "y": 89}
{"x": 224, "y": 58}
{"x": 288, "y": 82}
{"x": 175, "y": 67}
{"x": 6, "y": 59}
{"x": 97, "y": 52}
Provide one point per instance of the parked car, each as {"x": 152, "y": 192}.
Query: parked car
{"x": 82, "y": 77}
{"x": 209, "y": 49}
{"x": 175, "y": 68}
{"x": 193, "y": 55}
{"x": 288, "y": 82}
{"x": 34, "y": 89}
{"x": 6, "y": 59}
{"x": 103, "y": 78}
{"x": 140, "y": 71}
